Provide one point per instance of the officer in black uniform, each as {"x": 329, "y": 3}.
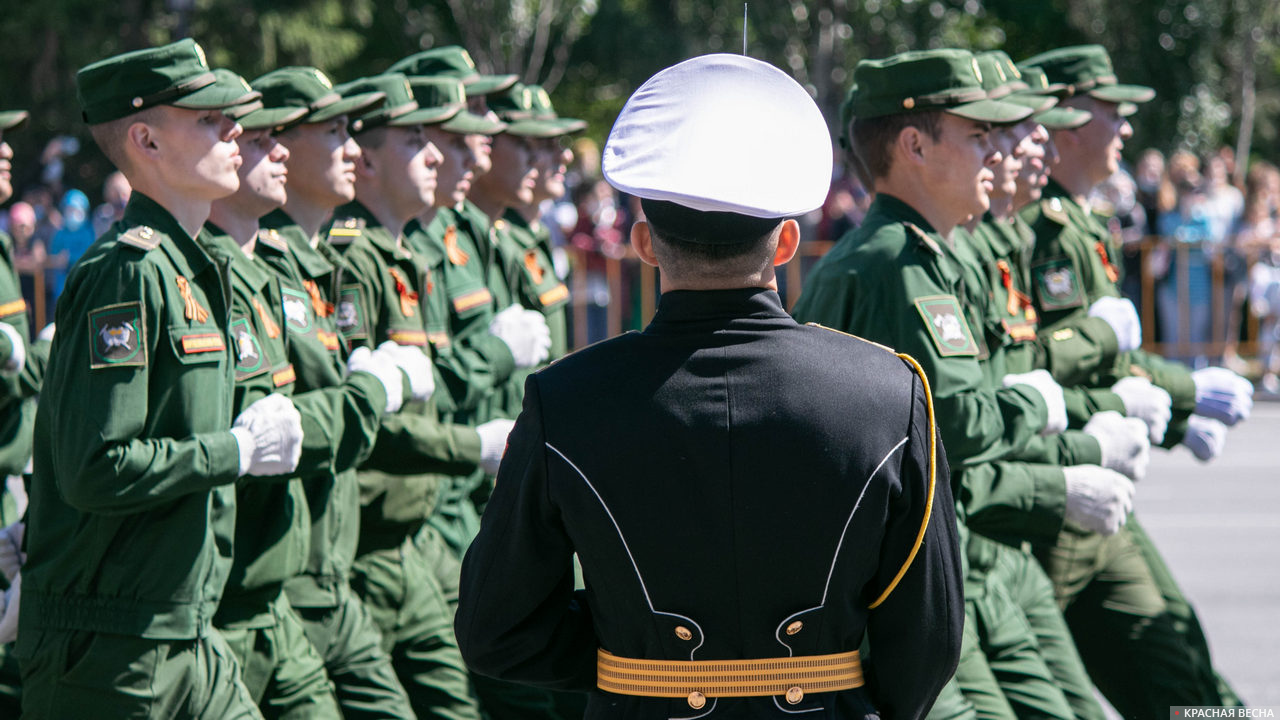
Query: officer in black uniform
{"x": 745, "y": 494}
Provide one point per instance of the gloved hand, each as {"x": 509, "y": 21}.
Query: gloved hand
{"x": 1098, "y": 499}
{"x": 1122, "y": 316}
{"x": 1146, "y": 402}
{"x": 493, "y": 443}
{"x": 47, "y": 333}
{"x": 18, "y": 357}
{"x": 11, "y": 555}
{"x": 415, "y": 364}
{"x": 1222, "y": 395}
{"x": 1205, "y": 437}
{"x": 382, "y": 366}
{"x": 525, "y": 332}
{"x": 1042, "y": 382}
{"x": 1124, "y": 443}
{"x": 9, "y": 620}
{"x": 269, "y": 434}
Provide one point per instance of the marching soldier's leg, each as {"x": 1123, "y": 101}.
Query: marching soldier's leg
{"x": 299, "y": 688}
{"x": 1014, "y": 659}
{"x": 1185, "y": 621}
{"x": 360, "y": 668}
{"x": 1033, "y": 593}
{"x": 973, "y": 692}
{"x": 222, "y": 695}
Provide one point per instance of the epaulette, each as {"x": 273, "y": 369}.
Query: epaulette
{"x": 885, "y": 348}
{"x": 271, "y": 238}
{"x": 924, "y": 238}
{"x": 141, "y": 237}
{"x": 346, "y": 230}
{"x": 1052, "y": 209}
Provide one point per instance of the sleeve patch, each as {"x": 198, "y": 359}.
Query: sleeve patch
{"x": 297, "y": 310}
{"x": 946, "y": 324}
{"x": 350, "y": 313}
{"x": 251, "y": 358}
{"x": 118, "y": 336}
{"x": 1057, "y": 284}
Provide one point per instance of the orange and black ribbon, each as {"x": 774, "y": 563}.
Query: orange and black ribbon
{"x": 318, "y": 304}
{"x": 1112, "y": 274}
{"x": 268, "y": 324}
{"x": 193, "y": 311}
{"x": 531, "y": 264}
{"x": 408, "y": 298}
{"x": 456, "y": 255}
{"x": 1017, "y": 299}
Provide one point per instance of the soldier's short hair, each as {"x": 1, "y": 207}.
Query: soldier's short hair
{"x": 111, "y": 136}
{"x": 718, "y": 245}
{"x": 871, "y": 140}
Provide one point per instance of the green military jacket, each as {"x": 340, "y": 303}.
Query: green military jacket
{"x": 527, "y": 254}
{"x": 1075, "y": 263}
{"x": 17, "y": 390}
{"x": 381, "y": 298}
{"x": 891, "y": 282}
{"x": 132, "y": 508}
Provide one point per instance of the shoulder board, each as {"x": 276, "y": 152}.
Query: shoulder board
{"x": 1052, "y": 209}
{"x": 141, "y": 237}
{"x": 345, "y": 230}
{"x": 885, "y": 348}
{"x": 271, "y": 238}
{"x": 924, "y": 238}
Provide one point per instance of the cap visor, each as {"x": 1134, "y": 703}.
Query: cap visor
{"x": 1127, "y": 109}
{"x": 1064, "y": 118}
{"x": 569, "y": 126}
{"x": 13, "y": 119}
{"x": 488, "y": 84}
{"x": 425, "y": 116}
{"x": 535, "y": 128}
{"x": 1037, "y": 103}
{"x": 992, "y": 111}
{"x": 1123, "y": 93}
{"x": 355, "y": 105}
{"x": 263, "y": 118}
{"x": 467, "y": 123}
{"x": 217, "y": 95}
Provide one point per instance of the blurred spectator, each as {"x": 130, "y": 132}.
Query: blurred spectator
{"x": 846, "y": 206}
{"x": 115, "y": 194}
{"x": 1116, "y": 199}
{"x": 1184, "y": 292}
{"x": 1148, "y": 177}
{"x": 28, "y": 255}
{"x": 599, "y": 236}
{"x": 48, "y": 219}
{"x": 1258, "y": 239}
{"x": 72, "y": 239}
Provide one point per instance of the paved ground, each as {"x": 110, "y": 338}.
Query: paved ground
{"x": 1218, "y": 527}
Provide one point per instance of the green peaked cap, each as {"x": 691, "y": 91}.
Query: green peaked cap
{"x": 449, "y": 92}
{"x": 1087, "y": 69}
{"x": 455, "y": 62}
{"x": 307, "y": 89}
{"x": 922, "y": 81}
{"x": 400, "y": 108}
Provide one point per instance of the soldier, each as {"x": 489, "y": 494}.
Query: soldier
{"x": 1110, "y": 592}
{"x": 681, "y": 533}
{"x": 322, "y": 162}
{"x": 132, "y": 509}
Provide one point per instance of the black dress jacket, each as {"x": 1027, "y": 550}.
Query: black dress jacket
{"x": 727, "y": 472}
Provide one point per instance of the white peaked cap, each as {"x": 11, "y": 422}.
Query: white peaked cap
{"x": 722, "y": 133}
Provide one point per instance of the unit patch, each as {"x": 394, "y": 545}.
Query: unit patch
{"x": 251, "y": 359}
{"x": 297, "y": 310}
{"x": 350, "y": 313}
{"x": 946, "y": 324}
{"x": 118, "y": 336}
{"x": 1057, "y": 284}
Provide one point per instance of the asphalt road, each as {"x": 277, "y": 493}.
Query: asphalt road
{"x": 1218, "y": 527}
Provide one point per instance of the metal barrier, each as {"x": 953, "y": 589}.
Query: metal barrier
{"x": 634, "y": 289}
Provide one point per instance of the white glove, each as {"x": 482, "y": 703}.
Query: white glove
{"x": 1205, "y": 437}
{"x": 415, "y": 364}
{"x": 1122, "y": 316}
{"x": 382, "y": 366}
{"x": 9, "y": 620}
{"x": 1124, "y": 442}
{"x": 47, "y": 333}
{"x": 1146, "y": 402}
{"x": 493, "y": 443}
{"x": 1098, "y": 499}
{"x": 1222, "y": 395}
{"x": 18, "y": 358}
{"x": 525, "y": 332}
{"x": 1042, "y": 382}
{"x": 11, "y": 555}
{"x": 269, "y": 434}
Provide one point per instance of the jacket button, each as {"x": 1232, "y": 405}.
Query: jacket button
{"x": 795, "y": 695}
{"x": 697, "y": 700}
{"x": 794, "y": 627}
{"x": 683, "y": 633}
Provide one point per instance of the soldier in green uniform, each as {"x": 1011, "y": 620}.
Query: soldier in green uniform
{"x": 131, "y": 522}
{"x": 1110, "y": 594}
{"x": 322, "y": 176}
{"x": 387, "y": 294}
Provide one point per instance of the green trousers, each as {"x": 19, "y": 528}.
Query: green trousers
{"x": 1118, "y": 616}
{"x": 283, "y": 672}
{"x": 76, "y": 674}
{"x": 403, "y": 596}
{"x": 360, "y": 668}
{"x": 952, "y": 704}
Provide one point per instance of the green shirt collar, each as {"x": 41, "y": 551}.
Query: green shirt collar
{"x": 185, "y": 253}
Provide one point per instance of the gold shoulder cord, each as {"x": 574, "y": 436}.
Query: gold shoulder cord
{"x": 933, "y": 473}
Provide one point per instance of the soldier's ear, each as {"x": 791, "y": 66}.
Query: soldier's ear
{"x": 642, "y": 241}
{"x": 788, "y": 242}
{"x": 910, "y": 145}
